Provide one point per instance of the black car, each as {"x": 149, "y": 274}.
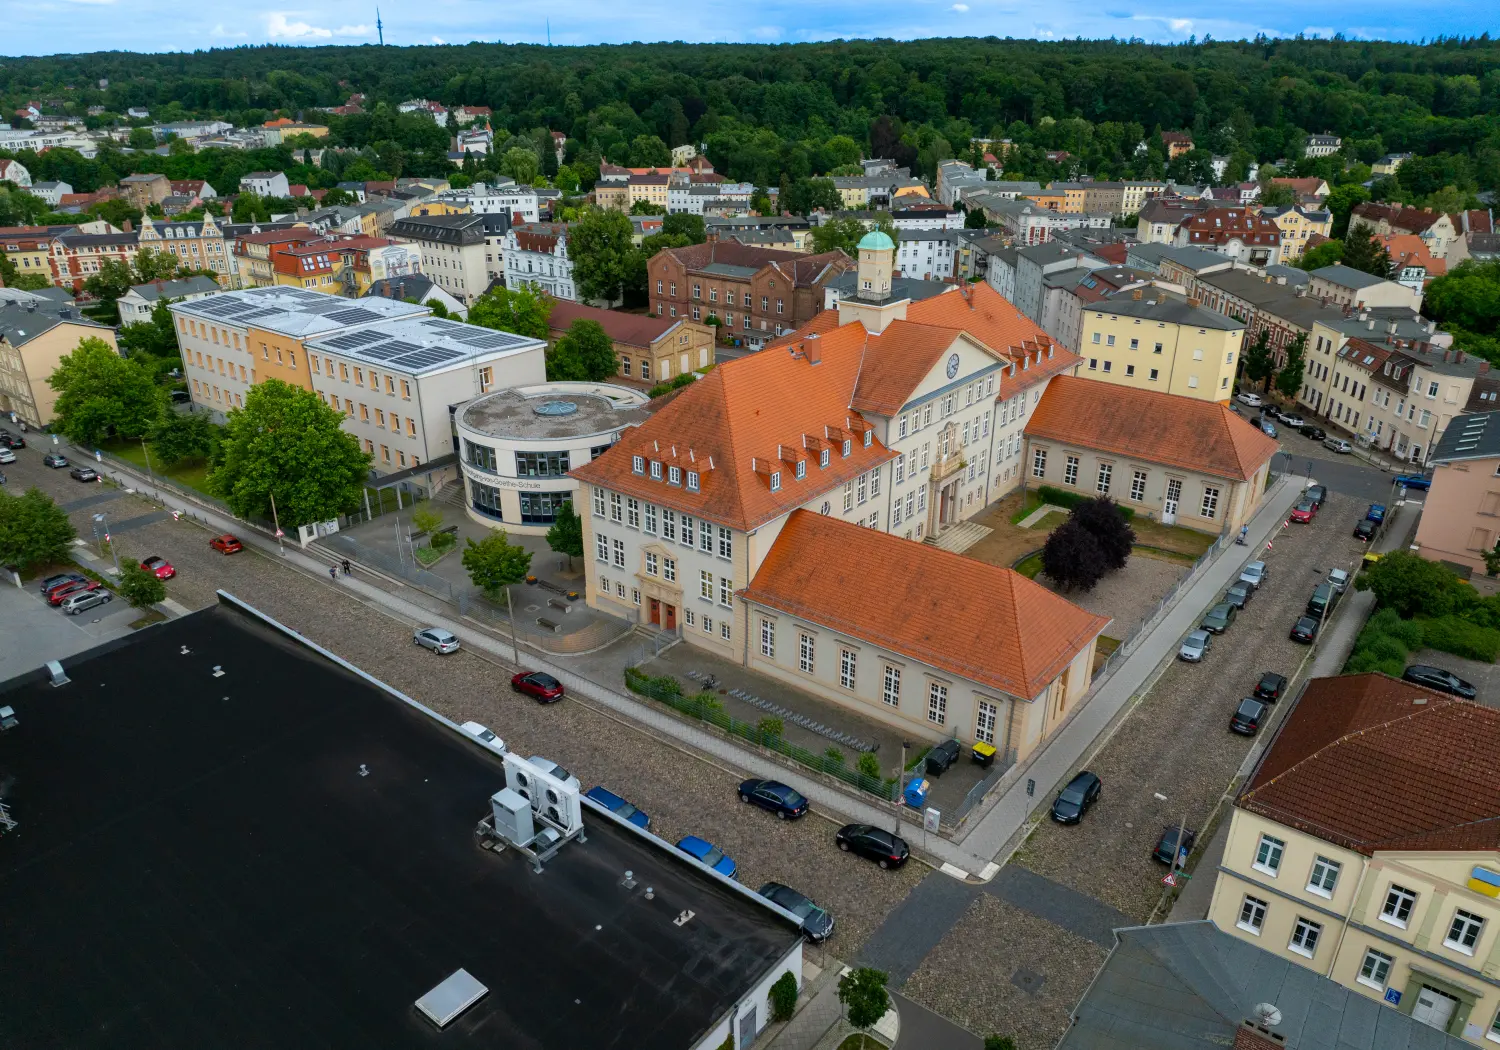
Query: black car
{"x": 786, "y": 802}
{"x": 52, "y": 459}
{"x": 1316, "y": 433}
{"x": 10, "y": 440}
{"x": 180, "y": 397}
{"x": 1304, "y": 630}
{"x": 1316, "y": 494}
{"x": 1439, "y": 679}
{"x": 1365, "y": 530}
{"x": 1248, "y": 716}
{"x": 83, "y": 474}
{"x": 1175, "y": 842}
{"x": 1073, "y": 801}
{"x": 817, "y": 924}
{"x": 61, "y": 578}
{"x": 872, "y": 843}
{"x": 941, "y": 757}
{"x": 1218, "y": 618}
{"x": 1238, "y": 595}
{"x": 1270, "y": 687}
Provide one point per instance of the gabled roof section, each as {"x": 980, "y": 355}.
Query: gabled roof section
{"x": 1183, "y": 432}
{"x": 1372, "y": 763}
{"x": 989, "y": 625}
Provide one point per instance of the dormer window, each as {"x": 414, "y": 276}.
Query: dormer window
{"x": 655, "y": 470}
{"x": 674, "y": 475}
{"x": 801, "y": 469}
{"x": 638, "y": 464}
{"x": 775, "y": 481}
{"x": 869, "y": 437}
{"x": 692, "y": 481}
{"x": 848, "y": 446}
{"x": 823, "y": 457}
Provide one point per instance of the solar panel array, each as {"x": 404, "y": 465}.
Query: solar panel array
{"x": 426, "y": 358}
{"x": 354, "y": 315}
{"x": 354, "y": 340}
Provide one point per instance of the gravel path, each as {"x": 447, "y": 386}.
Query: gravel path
{"x": 1128, "y": 595}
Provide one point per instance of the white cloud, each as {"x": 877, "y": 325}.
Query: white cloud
{"x": 354, "y": 31}
{"x": 279, "y": 28}
{"x": 92, "y": 2}
{"x": 960, "y": 8}
{"x": 1181, "y": 25}
{"x": 438, "y": 40}
{"x": 221, "y": 31}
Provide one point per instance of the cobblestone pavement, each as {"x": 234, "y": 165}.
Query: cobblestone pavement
{"x": 1128, "y": 595}
{"x": 682, "y": 793}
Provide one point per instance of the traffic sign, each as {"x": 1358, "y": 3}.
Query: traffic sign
{"x": 279, "y": 534}
{"x": 1169, "y": 879}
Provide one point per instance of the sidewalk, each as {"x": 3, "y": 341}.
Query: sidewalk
{"x": 1092, "y": 718}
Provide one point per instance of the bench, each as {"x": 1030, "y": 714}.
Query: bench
{"x": 548, "y": 585}
{"x": 560, "y": 603}
{"x": 551, "y": 625}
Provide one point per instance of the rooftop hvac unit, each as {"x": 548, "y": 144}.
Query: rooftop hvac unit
{"x": 554, "y": 800}
{"x": 512, "y": 815}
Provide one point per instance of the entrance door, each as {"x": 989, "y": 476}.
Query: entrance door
{"x": 1434, "y": 1008}
{"x": 747, "y": 1027}
{"x": 669, "y": 617}
{"x": 656, "y": 612}
{"x": 1169, "y": 508}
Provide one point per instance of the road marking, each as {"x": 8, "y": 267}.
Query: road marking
{"x": 175, "y": 608}
{"x": 955, "y": 871}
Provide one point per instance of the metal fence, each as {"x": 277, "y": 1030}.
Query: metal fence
{"x": 1002, "y": 766}
{"x": 1128, "y": 643}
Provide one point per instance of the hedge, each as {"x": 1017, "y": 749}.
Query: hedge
{"x": 1068, "y": 500}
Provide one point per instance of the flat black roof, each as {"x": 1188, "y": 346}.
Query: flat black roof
{"x": 199, "y": 862}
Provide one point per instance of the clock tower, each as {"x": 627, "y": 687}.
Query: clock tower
{"x": 872, "y": 303}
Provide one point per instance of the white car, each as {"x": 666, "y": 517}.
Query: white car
{"x": 1292, "y": 420}
{"x": 1340, "y": 579}
{"x": 485, "y": 737}
{"x": 436, "y": 639}
{"x": 1254, "y": 574}
{"x": 1253, "y": 400}
{"x": 6, "y": 455}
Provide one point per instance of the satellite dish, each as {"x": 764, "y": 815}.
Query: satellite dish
{"x": 1267, "y": 1014}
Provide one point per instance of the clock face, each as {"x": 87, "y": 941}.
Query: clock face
{"x": 952, "y": 365}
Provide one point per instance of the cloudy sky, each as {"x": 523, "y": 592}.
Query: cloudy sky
{"x": 37, "y": 27}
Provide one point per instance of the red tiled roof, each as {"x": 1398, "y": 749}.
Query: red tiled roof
{"x": 630, "y": 329}
{"x": 989, "y": 625}
{"x": 1372, "y": 763}
{"x": 1221, "y": 224}
{"x": 1400, "y": 217}
{"x": 1183, "y": 432}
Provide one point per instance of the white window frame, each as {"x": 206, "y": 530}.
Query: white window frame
{"x": 705, "y": 584}
{"x": 1464, "y": 931}
{"x": 1324, "y": 876}
{"x": 1252, "y": 915}
{"x": 848, "y": 668}
{"x": 1375, "y": 969}
{"x": 807, "y": 652}
{"x": 937, "y": 703}
{"x": 767, "y": 639}
{"x": 1269, "y": 853}
{"x": 1305, "y": 937}
{"x": 1390, "y": 910}
{"x": 890, "y": 689}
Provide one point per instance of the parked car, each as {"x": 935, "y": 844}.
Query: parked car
{"x": 1219, "y": 618}
{"x": 1414, "y": 481}
{"x": 10, "y": 440}
{"x": 1247, "y": 398}
{"x": 1317, "y": 494}
{"x": 6, "y": 455}
{"x": 83, "y": 474}
{"x": 941, "y": 757}
{"x": 1305, "y": 630}
{"x": 1376, "y": 513}
{"x": 55, "y": 461}
{"x": 706, "y": 852}
{"x": 83, "y": 600}
{"x": 159, "y": 567}
{"x": 872, "y": 843}
{"x": 1239, "y": 594}
{"x": 1174, "y": 840}
{"x": 1255, "y": 573}
{"x": 485, "y": 735}
{"x": 1074, "y": 800}
{"x": 1439, "y": 679}
{"x": 1315, "y": 433}
{"x": 817, "y": 924}
{"x": 1365, "y": 530}
{"x": 180, "y": 397}
{"x": 1271, "y": 686}
{"x": 537, "y": 684}
{"x": 60, "y": 579}
{"x": 1292, "y": 420}
{"x": 1194, "y": 646}
{"x": 58, "y": 594}
{"x": 436, "y": 639}
{"x": 1268, "y": 428}
{"x": 1339, "y": 578}
{"x": 786, "y": 802}
{"x": 1304, "y": 512}
{"x": 546, "y": 765}
{"x": 619, "y": 807}
{"x": 1338, "y": 445}
{"x": 225, "y": 543}
{"x": 1248, "y": 716}
{"x": 1324, "y": 598}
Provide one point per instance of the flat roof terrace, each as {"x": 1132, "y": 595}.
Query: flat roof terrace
{"x": 282, "y": 855}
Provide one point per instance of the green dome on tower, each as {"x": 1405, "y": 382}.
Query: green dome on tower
{"x": 876, "y": 241}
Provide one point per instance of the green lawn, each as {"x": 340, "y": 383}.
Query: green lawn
{"x": 190, "y": 475}
{"x": 1051, "y": 520}
{"x": 1030, "y": 566}
{"x": 1029, "y": 504}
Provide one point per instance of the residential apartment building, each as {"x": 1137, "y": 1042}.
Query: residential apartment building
{"x": 199, "y": 244}
{"x": 15, "y": 171}
{"x": 316, "y": 265}
{"x": 230, "y": 342}
{"x": 650, "y": 187}
{"x": 1434, "y": 227}
{"x": 799, "y": 228}
{"x": 1345, "y": 286}
{"x": 1239, "y": 233}
{"x": 51, "y": 193}
{"x": 1321, "y": 145}
{"x": 142, "y": 191}
{"x": 536, "y": 254}
{"x": 927, "y": 254}
{"x": 1297, "y": 224}
{"x": 366, "y": 260}
{"x": 265, "y": 184}
{"x": 453, "y": 249}
{"x": 36, "y": 333}
{"x": 1152, "y": 340}
{"x": 1158, "y": 218}
{"x": 137, "y": 304}
{"x": 903, "y": 423}
{"x": 519, "y": 203}
{"x": 651, "y": 349}
{"x": 1177, "y": 460}
{"x": 759, "y": 293}
{"x": 955, "y": 178}
{"x": 1134, "y": 195}
{"x": 1386, "y": 884}
{"x": 1032, "y": 265}
{"x": 1459, "y": 513}
{"x": 29, "y": 248}
{"x": 251, "y": 253}
{"x": 75, "y": 257}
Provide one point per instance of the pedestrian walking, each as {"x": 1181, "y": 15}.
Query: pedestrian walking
{"x": 346, "y": 566}
{"x": 333, "y": 573}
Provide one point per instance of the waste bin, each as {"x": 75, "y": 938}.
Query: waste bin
{"x": 983, "y": 753}
{"x": 916, "y": 792}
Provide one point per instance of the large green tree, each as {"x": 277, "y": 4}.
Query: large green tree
{"x": 1467, "y": 297}
{"x": 865, "y": 999}
{"x": 1289, "y": 379}
{"x": 1363, "y": 251}
{"x": 602, "y": 254}
{"x": 838, "y": 233}
{"x": 101, "y": 394}
{"x": 566, "y": 534}
{"x": 139, "y": 587}
{"x": 683, "y": 224}
{"x": 494, "y": 563}
{"x": 1259, "y": 365}
{"x": 585, "y": 353}
{"x": 184, "y": 437}
{"x": 523, "y": 311}
{"x": 287, "y": 444}
{"x": 34, "y": 530}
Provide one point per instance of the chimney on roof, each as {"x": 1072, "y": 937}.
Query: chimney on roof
{"x": 812, "y": 349}
{"x": 1136, "y": 294}
{"x": 1458, "y": 357}
{"x": 1484, "y": 366}
{"x": 1447, "y": 356}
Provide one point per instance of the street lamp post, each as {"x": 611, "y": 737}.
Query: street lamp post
{"x": 103, "y": 518}
{"x": 277, "y": 522}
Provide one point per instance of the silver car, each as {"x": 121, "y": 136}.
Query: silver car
{"x": 1338, "y": 445}
{"x": 1254, "y": 574}
{"x": 436, "y": 639}
{"x": 1339, "y": 578}
{"x": 1194, "y": 646}
{"x": 85, "y": 600}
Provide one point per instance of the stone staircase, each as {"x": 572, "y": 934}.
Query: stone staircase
{"x": 958, "y": 538}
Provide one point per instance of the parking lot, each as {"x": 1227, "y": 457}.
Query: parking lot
{"x": 1172, "y": 758}
{"x": 682, "y": 793}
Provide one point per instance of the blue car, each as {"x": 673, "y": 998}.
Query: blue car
{"x": 619, "y": 807}
{"x": 1414, "y": 481}
{"x": 1376, "y": 513}
{"x": 707, "y": 853}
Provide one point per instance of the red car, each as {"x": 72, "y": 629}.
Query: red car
{"x": 542, "y": 686}
{"x": 56, "y": 595}
{"x": 1304, "y": 512}
{"x": 226, "y": 543}
{"x": 159, "y": 567}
